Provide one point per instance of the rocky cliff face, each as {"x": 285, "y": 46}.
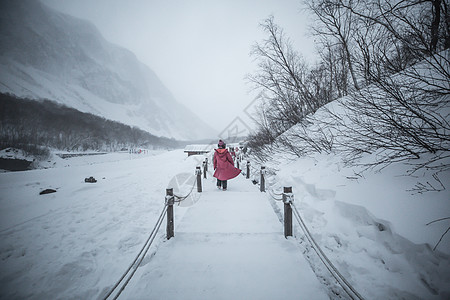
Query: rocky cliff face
{"x": 46, "y": 54}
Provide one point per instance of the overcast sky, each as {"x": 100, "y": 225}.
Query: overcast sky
{"x": 200, "y": 48}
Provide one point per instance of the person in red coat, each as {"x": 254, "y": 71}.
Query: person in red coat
{"x": 224, "y": 166}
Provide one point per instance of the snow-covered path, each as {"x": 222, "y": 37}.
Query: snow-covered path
{"x": 229, "y": 245}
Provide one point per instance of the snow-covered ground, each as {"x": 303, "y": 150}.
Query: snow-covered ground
{"x": 75, "y": 243}
{"x": 71, "y": 243}
{"x": 373, "y": 226}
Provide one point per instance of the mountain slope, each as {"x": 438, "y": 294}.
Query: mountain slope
{"x": 46, "y": 54}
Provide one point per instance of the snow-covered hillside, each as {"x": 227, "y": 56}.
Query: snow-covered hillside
{"x": 384, "y": 223}
{"x": 46, "y": 54}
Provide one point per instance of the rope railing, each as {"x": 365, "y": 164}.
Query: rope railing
{"x": 181, "y": 198}
{"x": 138, "y": 259}
{"x": 273, "y": 195}
{"x": 276, "y": 194}
{"x": 255, "y": 170}
{"x": 170, "y": 196}
{"x": 353, "y": 294}
{"x": 290, "y": 209}
{"x": 170, "y": 200}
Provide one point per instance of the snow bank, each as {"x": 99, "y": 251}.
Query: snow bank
{"x": 371, "y": 226}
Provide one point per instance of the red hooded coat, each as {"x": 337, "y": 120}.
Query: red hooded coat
{"x": 224, "y": 165}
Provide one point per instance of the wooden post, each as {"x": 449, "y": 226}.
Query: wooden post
{"x": 198, "y": 172}
{"x": 287, "y": 199}
{"x": 237, "y": 163}
{"x": 170, "y": 200}
{"x": 204, "y": 169}
{"x": 248, "y": 169}
{"x": 262, "y": 182}
{"x": 206, "y": 165}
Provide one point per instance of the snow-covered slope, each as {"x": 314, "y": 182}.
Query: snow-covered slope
{"x": 372, "y": 227}
{"x": 382, "y": 225}
{"x": 46, "y": 54}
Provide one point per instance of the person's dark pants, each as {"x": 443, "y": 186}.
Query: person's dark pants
{"x": 222, "y": 183}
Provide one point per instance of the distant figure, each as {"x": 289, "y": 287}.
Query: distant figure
{"x": 224, "y": 166}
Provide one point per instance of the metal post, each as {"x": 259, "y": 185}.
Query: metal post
{"x": 204, "y": 169}
{"x": 170, "y": 200}
{"x": 262, "y": 182}
{"x": 248, "y": 169}
{"x": 198, "y": 172}
{"x": 287, "y": 199}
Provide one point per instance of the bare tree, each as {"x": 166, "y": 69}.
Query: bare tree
{"x": 400, "y": 112}
{"x": 286, "y": 90}
{"x": 335, "y": 26}
{"x": 403, "y": 113}
{"x": 283, "y": 74}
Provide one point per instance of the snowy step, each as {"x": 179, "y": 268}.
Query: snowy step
{"x": 229, "y": 245}
{"x": 231, "y": 212}
{"x": 227, "y": 266}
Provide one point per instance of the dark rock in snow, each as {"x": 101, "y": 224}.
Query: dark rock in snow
{"x": 47, "y": 191}
{"x": 90, "y": 179}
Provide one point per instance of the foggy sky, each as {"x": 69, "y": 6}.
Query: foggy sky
{"x": 199, "y": 49}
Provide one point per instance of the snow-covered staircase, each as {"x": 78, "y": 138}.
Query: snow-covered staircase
{"x": 229, "y": 245}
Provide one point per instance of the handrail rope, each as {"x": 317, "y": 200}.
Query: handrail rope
{"x": 328, "y": 264}
{"x": 142, "y": 258}
{"x": 320, "y": 257}
{"x": 181, "y": 198}
{"x": 325, "y": 261}
{"x": 274, "y": 198}
{"x": 147, "y": 242}
{"x": 254, "y": 169}
{"x": 272, "y": 192}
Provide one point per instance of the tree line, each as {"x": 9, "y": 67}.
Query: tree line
{"x": 37, "y": 125}
{"x": 386, "y": 61}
